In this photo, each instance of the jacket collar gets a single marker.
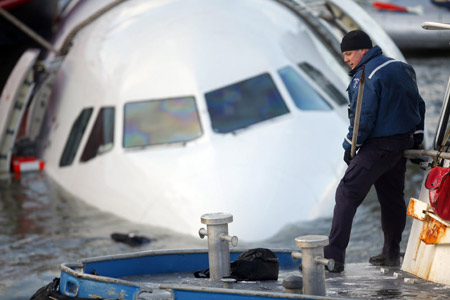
(373, 52)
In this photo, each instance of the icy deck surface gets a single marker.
(358, 281)
(364, 281)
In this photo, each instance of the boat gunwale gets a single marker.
(68, 268)
(71, 269)
(85, 261)
(174, 287)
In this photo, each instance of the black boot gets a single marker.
(338, 267)
(384, 260)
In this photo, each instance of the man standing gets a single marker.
(391, 121)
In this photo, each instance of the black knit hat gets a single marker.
(355, 40)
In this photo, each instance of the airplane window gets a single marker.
(303, 94)
(323, 82)
(244, 103)
(163, 121)
(101, 138)
(76, 133)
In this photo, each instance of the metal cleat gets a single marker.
(218, 243)
(313, 263)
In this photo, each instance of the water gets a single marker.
(41, 227)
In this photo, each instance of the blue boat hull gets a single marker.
(104, 277)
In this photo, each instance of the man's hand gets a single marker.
(418, 141)
(418, 144)
(347, 157)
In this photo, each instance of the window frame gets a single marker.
(73, 142)
(92, 139)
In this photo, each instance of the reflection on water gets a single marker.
(41, 227)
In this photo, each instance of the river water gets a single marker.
(41, 227)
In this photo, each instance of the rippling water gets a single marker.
(41, 227)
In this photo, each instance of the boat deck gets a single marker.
(169, 274)
(359, 281)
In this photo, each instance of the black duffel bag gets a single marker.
(252, 265)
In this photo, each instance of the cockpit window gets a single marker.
(101, 138)
(302, 93)
(244, 103)
(76, 133)
(323, 82)
(164, 121)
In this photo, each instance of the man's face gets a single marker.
(354, 57)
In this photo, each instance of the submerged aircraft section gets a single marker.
(191, 107)
(163, 110)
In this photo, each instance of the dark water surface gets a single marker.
(41, 227)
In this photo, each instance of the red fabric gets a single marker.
(9, 4)
(438, 184)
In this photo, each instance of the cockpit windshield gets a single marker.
(245, 103)
(302, 93)
(323, 82)
(163, 121)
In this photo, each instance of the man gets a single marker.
(391, 121)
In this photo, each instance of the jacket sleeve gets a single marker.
(368, 116)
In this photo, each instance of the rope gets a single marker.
(68, 41)
(27, 30)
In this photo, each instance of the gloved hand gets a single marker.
(418, 141)
(347, 157)
(418, 144)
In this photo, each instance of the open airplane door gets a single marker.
(359, 19)
(13, 103)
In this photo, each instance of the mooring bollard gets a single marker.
(218, 243)
(313, 263)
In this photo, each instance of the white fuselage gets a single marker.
(269, 174)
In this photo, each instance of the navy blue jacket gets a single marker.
(391, 103)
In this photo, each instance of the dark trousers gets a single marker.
(379, 162)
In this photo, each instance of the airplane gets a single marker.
(159, 111)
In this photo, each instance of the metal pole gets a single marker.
(358, 112)
(430, 153)
(36, 37)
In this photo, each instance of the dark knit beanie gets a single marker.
(355, 40)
